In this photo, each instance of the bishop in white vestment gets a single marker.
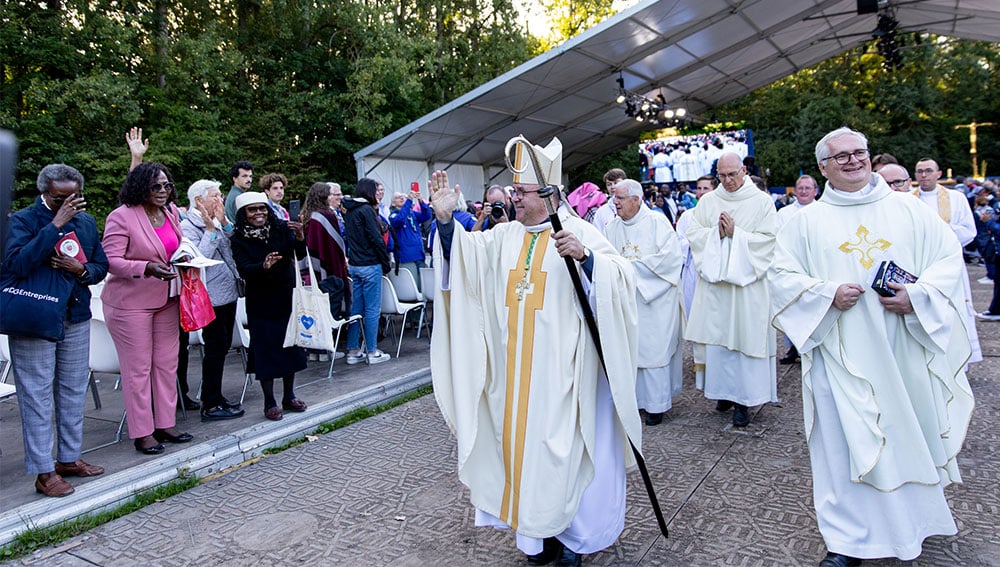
(732, 239)
(646, 239)
(885, 398)
(542, 434)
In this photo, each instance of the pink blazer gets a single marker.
(130, 242)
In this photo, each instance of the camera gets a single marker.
(497, 209)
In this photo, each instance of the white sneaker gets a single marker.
(377, 357)
(338, 355)
(987, 316)
(984, 280)
(356, 358)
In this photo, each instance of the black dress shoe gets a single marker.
(230, 405)
(551, 549)
(654, 418)
(220, 413)
(723, 405)
(741, 416)
(791, 357)
(569, 558)
(188, 403)
(154, 450)
(161, 435)
(838, 560)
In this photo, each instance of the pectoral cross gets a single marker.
(865, 246)
(524, 299)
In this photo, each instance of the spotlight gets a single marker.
(621, 98)
(681, 112)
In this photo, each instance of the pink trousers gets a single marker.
(147, 343)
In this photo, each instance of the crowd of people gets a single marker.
(254, 246)
(560, 322)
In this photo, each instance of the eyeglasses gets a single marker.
(925, 171)
(899, 182)
(161, 187)
(519, 193)
(336, 194)
(257, 208)
(844, 158)
(732, 175)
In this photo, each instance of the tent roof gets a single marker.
(698, 53)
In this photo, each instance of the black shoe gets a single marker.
(154, 450)
(161, 435)
(741, 417)
(654, 418)
(230, 405)
(570, 558)
(838, 560)
(551, 549)
(791, 357)
(188, 403)
(220, 413)
(723, 405)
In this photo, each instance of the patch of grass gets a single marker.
(34, 538)
(352, 418)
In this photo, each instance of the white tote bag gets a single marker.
(311, 323)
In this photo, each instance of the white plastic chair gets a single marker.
(406, 291)
(4, 359)
(339, 325)
(104, 359)
(241, 332)
(391, 305)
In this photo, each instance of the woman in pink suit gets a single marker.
(140, 309)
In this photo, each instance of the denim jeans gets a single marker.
(367, 281)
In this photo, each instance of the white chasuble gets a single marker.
(516, 373)
(730, 314)
(650, 243)
(885, 399)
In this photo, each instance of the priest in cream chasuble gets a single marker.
(885, 398)
(730, 315)
(646, 239)
(541, 432)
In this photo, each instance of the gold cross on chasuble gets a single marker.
(525, 296)
(865, 245)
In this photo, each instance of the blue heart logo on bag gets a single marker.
(307, 321)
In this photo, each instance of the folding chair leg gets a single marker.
(117, 439)
(180, 397)
(402, 329)
(5, 373)
(92, 384)
(246, 383)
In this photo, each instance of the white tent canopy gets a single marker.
(698, 53)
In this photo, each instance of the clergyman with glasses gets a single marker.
(541, 434)
(885, 398)
(731, 234)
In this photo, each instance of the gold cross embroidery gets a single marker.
(865, 245)
(630, 251)
(523, 300)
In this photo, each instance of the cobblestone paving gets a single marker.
(385, 492)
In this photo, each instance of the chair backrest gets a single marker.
(406, 287)
(427, 283)
(96, 304)
(241, 330)
(4, 349)
(390, 303)
(103, 356)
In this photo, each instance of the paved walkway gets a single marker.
(385, 492)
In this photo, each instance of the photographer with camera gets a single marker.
(497, 208)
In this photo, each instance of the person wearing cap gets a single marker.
(732, 237)
(648, 241)
(264, 249)
(541, 432)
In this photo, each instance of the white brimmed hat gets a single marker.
(249, 198)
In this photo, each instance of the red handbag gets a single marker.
(196, 306)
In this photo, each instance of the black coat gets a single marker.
(268, 292)
(365, 246)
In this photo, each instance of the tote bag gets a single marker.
(196, 306)
(34, 306)
(311, 323)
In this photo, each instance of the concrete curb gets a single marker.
(201, 459)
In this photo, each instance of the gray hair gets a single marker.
(823, 148)
(58, 172)
(810, 178)
(199, 188)
(633, 186)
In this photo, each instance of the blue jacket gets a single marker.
(32, 242)
(406, 223)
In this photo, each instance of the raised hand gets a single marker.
(443, 200)
(136, 146)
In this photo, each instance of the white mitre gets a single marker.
(549, 161)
